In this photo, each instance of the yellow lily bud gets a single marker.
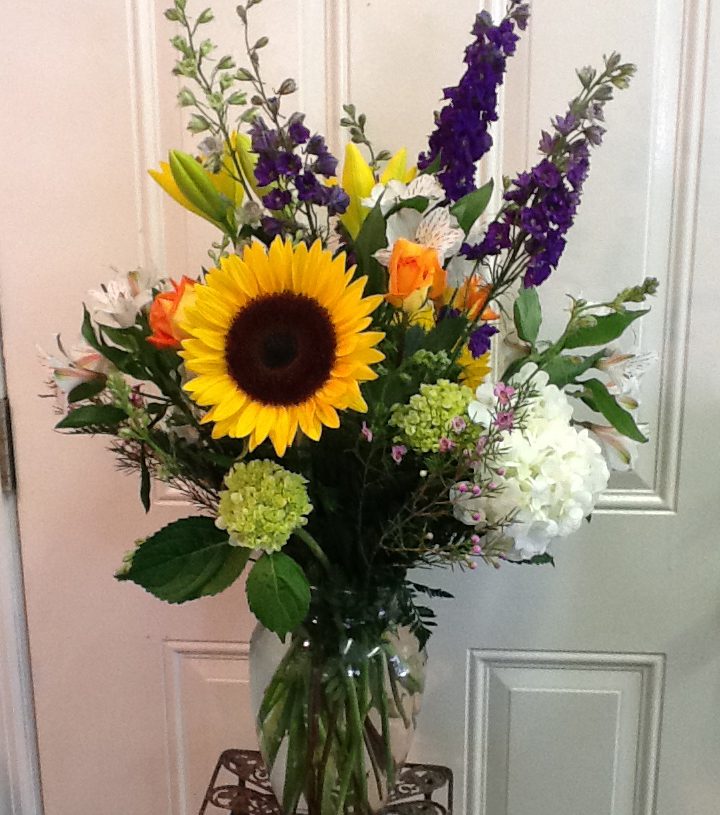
(397, 170)
(358, 181)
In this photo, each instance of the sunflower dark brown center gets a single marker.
(281, 348)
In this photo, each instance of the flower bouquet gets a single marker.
(324, 394)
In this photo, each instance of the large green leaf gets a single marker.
(468, 209)
(528, 315)
(278, 593)
(185, 560)
(371, 238)
(445, 335)
(604, 402)
(100, 416)
(606, 329)
(564, 370)
(86, 390)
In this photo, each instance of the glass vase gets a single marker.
(336, 709)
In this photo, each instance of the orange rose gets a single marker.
(471, 298)
(415, 272)
(168, 312)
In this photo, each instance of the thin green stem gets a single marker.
(314, 547)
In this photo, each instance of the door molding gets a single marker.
(20, 788)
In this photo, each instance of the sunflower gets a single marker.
(277, 341)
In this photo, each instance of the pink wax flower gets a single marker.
(458, 424)
(366, 432)
(505, 420)
(398, 453)
(504, 393)
(445, 445)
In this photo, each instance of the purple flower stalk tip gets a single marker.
(461, 137)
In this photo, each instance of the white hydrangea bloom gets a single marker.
(553, 473)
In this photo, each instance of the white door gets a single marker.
(593, 687)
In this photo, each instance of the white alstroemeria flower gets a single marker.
(625, 372)
(74, 367)
(621, 453)
(390, 194)
(78, 366)
(438, 230)
(117, 303)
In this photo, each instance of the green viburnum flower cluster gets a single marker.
(262, 505)
(429, 415)
(433, 365)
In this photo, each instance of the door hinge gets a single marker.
(7, 460)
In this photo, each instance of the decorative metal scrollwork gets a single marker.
(421, 789)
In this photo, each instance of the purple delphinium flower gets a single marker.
(540, 206)
(336, 200)
(276, 199)
(479, 342)
(272, 226)
(461, 137)
(298, 132)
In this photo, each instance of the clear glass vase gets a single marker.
(336, 708)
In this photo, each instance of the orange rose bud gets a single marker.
(415, 272)
(167, 313)
(472, 298)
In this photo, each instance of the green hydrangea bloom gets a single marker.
(428, 415)
(262, 505)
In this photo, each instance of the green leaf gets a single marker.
(372, 237)
(445, 335)
(278, 593)
(538, 560)
(419, 203)
(604, 402)
(468, 209)
(145, 482)
(528, 315)
(564, 370)
(185, 560)
(92, 416)
(118, 358)
(607, 328)
(87, 390)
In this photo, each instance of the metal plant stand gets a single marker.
(240, 785)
